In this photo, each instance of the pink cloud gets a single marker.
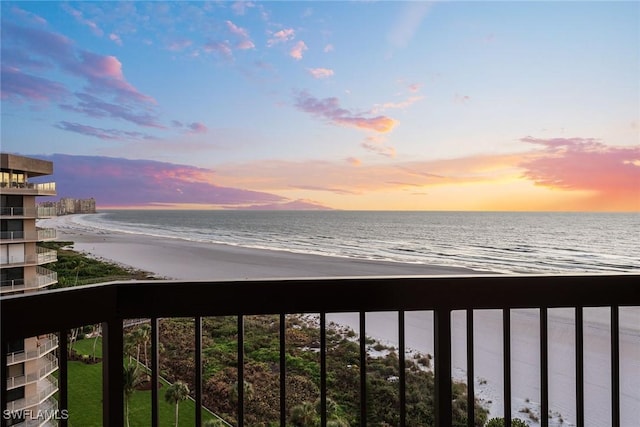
(297, 50)
(198, 128)
(281, 36)
(353, 161)
(179, 44)
(28, 15)
(329, 108)
(115, 38)
(376, 145)
(237, 31)
(415, 87)
(147, 183)
(585, 164)
(328, 48)
(103, 73)
(82, 20)
(320, 73)
(95, 107)
(18, 86)
(335, 190)
(104, 134)
(221, 48)
(245, 45)
(240, 7)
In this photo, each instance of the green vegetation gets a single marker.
(74, 268)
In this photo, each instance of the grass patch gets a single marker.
(85, 397)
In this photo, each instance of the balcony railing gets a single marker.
(46, 365)
(45, 345)
(47, 387)
(41, 234)
(47, 188)
(18, 211)
(44, 277)
(42, 256)
(441, 295)
(45, 256)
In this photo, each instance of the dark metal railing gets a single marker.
(63, 309)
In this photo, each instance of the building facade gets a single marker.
(31, 362)
(68, 205)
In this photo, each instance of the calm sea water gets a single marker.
(490, 241)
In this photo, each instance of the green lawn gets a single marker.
(85, 397)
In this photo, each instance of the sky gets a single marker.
(358, 105)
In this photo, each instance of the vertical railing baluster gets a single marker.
(363, 370)
(579, 369)
(506, 345)
(63, 376)
(544, 368)
(442, 366)
(402, 369)
(112, 373)
(323, 369)
(615, 366)
(240, 371)
(471, 393)
(198, 366)
(283, 370)
(155, 369)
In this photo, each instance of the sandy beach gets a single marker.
(188, 260)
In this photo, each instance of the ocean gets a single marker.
(499, 242)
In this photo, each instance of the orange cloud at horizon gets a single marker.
(566, 175)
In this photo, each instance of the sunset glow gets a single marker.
(345, 105)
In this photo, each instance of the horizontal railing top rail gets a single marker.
(146, 299)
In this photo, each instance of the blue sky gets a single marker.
(349, 105)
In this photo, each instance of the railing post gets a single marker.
(155, 368)
(283, 369)
(471, 394)
(615, 367)
(240, 371)
(323, 370)
(402, 369)
(506, 349)
(579, 368)
(363, 370)
(198, 366)
(112, 373)
(63, 378)
(544, 368)
(442, 366)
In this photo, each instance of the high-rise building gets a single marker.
(31, 362)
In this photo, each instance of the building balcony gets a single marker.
(17, 211)
(42, 256)
(44, 277)
(46, 344)
(46, 256)
(45, 366)
(46, 388)
(40, 235)
(29, 188)
(22, 212)
(443, 297)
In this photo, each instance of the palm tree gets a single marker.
(176, 393)
(131, 380)
(248, 391)
(304, 415)
(141, 337)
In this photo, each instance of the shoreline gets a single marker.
(177, 259)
